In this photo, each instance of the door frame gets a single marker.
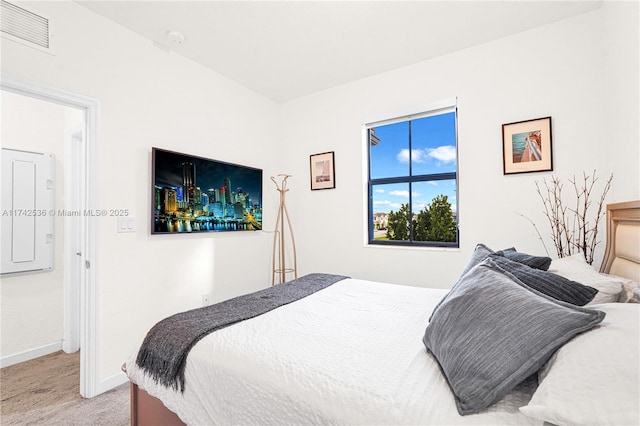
(74, 186)
(87, 226)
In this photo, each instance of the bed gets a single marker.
(363, 352)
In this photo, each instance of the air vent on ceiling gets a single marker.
(25, 26)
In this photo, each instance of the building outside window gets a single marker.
(413, 179)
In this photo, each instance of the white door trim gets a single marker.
(73, 247)
(88, 201)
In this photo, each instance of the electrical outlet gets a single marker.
(205, 300)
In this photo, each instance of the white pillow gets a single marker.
(594, 379)
(577, 269)
(630, 291)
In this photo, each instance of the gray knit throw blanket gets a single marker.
(163, 354)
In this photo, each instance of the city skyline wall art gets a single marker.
(192, 194)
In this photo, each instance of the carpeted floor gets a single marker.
(45, 391)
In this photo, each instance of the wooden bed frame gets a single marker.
(622, 258)
(149, 410)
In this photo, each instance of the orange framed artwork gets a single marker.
(526, 146)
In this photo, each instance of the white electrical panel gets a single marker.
(27, 210)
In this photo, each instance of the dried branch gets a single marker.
(537, 232)
(570, 228)
(556, 214)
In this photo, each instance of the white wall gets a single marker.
(556, 70)
(33, 303)
(152, 98)
(621, 87)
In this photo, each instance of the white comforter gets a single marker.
(349, 354)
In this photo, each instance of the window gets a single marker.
(412, 183)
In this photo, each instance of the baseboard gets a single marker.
(112, 382)
(30, 354)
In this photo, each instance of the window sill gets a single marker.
(410, 247)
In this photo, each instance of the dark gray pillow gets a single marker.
(548, 283)
(492, 331)
(538, 262)
(481, 252)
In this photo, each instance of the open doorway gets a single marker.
(73, 278)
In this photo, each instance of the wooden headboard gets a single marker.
(622, 254)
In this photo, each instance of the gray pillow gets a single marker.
(480, 253)
(491, 332)
(553, 285)
(537, 262)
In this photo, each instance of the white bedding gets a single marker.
(349, 354)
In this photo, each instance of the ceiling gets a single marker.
(288, 49)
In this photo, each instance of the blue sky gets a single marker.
(433, 150)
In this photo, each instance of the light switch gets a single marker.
(126, 224)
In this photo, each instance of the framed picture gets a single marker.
(323, 171)
(526, 146)
(191, 194)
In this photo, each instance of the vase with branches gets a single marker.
(574, 229)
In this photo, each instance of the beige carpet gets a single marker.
(45, 391)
